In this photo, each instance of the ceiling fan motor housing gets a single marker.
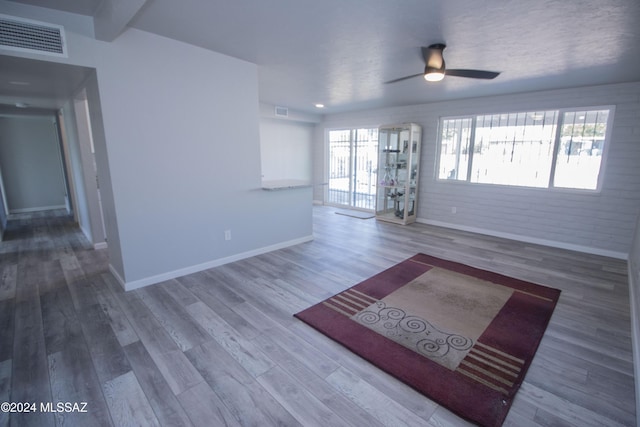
(434, 60)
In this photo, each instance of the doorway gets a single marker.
(352, 168)
(33, 176)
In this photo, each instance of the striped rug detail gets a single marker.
(349, 302)
(493, 368)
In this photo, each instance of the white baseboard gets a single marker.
(87, 235)
(100, 245)
(140, 283)
(85, 232)
(117, 276)
(527, 239)
(37, 209)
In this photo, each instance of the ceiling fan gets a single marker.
(434, 69)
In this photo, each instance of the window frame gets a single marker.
(556, 142)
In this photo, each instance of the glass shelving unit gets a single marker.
(398, 172)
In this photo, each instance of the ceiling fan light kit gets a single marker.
(433, 74)
(435, 69)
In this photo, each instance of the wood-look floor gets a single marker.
(221, 347)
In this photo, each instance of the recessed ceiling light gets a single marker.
(19, 83)
(22, 105)
(319, 105)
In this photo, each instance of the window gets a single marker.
(454, 148)
(551, 148)
(582, 139)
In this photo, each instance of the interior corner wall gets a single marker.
(94, 103)
(88, 168)
(82, 170)
(319, 164)
(3, 213)
(70, 136)
(596, 222)
(181, 135)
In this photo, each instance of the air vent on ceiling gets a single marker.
(282, 112)
(25, 35)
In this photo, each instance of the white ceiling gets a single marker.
(340, 52)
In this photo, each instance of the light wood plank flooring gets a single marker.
(221, 347)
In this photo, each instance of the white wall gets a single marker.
(286, 149)
(181, 126)
(176, 133)
(184, 157)
(3, 214)
(593, 222)
(31, 164)
(320, 158)
(83, 183)
(116, 260)
(69, 135)
(88, 167)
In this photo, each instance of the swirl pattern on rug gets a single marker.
(412, 332)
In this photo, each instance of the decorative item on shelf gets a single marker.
(387, 179)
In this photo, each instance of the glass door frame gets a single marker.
(354, 199)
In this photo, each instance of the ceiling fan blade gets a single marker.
(473, 74)
(404, 78)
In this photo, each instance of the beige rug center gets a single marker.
(439, 314)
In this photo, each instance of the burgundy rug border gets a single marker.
(432, 372)
(432, 379)
(501, 279)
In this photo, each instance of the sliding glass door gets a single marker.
(353, 165)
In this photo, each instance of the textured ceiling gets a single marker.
(340, 52)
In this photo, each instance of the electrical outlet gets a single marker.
(227, 234)
(454, 210)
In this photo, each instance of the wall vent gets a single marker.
(282, 112)
(26, 35)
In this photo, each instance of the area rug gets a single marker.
(462, 336)
(355, 214)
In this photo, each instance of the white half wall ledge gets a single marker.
(141, 283)
(285, 184)
(527, 239)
